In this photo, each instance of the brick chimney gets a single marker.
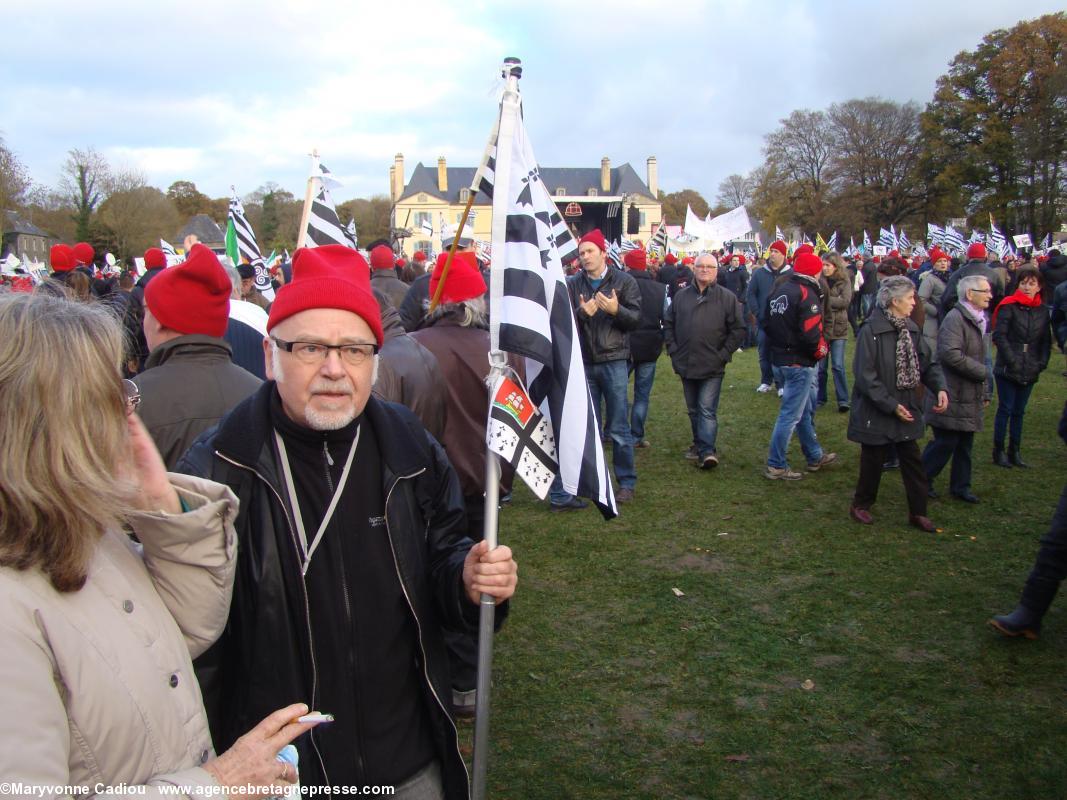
(653, 177)
(398, 176)
(605, 174)
(442, 176)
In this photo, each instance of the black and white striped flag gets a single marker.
(247, 248)
(658, 243)
(323, 226)
(170, 253)
(350, 233)
(953, 240)
(530, 308)
(902, 240)
(831, 243)
(935, 236)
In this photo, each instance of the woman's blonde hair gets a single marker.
(63, 434)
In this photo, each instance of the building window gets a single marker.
(423, 218)
(424, 246)
(561, 192)
(464, 195)
(591, 193)
(644, 221)
(422, 198)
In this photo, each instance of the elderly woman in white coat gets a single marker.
(97, 630)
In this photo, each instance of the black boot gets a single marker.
(999, 458)
(1014, 457)
(1020, 622)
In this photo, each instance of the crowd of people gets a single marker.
(278, 507)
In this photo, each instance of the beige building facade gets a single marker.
(615, 199)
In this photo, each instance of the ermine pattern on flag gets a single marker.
(531, 312)
(522, 435)
(350, 232)
(247, 247)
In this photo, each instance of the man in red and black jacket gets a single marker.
(794, 332)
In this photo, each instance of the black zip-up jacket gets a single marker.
(1023, 338)
(793, 315)
(605, 337)
(646, 342)
(703, 331)
(264, 659)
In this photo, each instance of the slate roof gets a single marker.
(573, 181)
(204, 228)
(16, 224)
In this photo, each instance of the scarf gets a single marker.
(1019, 297)
(907, 358)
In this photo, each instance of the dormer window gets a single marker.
(464, 195)
(561, 192)
(591, 193)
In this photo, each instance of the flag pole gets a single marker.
(511, 72)
(301, 236)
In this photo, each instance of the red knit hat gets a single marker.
(154, 258)
(804, 248)
(464, 280)
(381, 257)
(419, 256)
(83, 254)
(976, 251)
(688, 261)
(594, 237)
(401, 263)
(331, 276)
(671, 258)
(807, 264)
(779, 245)
(936, 254)
(742, 261)
(635, 259)
(61, 257)
(193, 297)
(894, 254)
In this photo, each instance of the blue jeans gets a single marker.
(608, 381)
(702, 402)
(644, 374)
(795, 413)
(1012, 398)
(768, 373)
(835, 361)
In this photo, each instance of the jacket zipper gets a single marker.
(418, 626)
(307, 608)
(352, 657)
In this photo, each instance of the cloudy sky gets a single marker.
(238, 93)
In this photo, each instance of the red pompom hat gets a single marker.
(61, 257)
(976, 251)
(635, 259)
(381, 257)
(807, 264)
(594, 237)
(804, 248)
(193, 297)
(83, 254)
(464, 279)
(154, 258)
(936, 254)
(331, 276)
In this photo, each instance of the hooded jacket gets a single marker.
(793, 320)
(264, 658)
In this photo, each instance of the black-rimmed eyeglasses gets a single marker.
(316, 352)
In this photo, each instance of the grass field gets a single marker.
(809, 656)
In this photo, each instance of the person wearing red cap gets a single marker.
(456, 333)
(607, 307)
(704, 325)
(417, 300)
(646, 341)
(735, 276)
(759, 290)
(352, 556)
(61, 259)
(677, 275)
(795, 337)
(189, 381)
(931, 288)
(383, 275)
(83, 256)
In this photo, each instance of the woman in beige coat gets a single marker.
(97, 630)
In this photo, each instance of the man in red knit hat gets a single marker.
(189, 381)
(383, 275)
(351, 550)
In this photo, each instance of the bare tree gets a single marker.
(800, 150)
(86, 181)
(735, 190)
(14, 180)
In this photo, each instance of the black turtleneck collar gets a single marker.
(292, 430)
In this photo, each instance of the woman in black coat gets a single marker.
(1023, 338)
(892, 360)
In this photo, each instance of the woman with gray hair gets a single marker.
(892, 359)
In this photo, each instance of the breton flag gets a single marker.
(522, 435)
(427, 225)
(627, 245)
(170, 253)
(851, 246)
(866, 243)
(1046, 243)
(350, 232)
(976, 237)
(658, 242)
(902, 240)
(887, 239)
(241, 246)
(321, 225)
(831, 243)
(530, 307)
(996, 241)
(953, 240)
(935, 235)
(614, 254)
(778, 235)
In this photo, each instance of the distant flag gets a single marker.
(350, 232)
(778, 235)
(626, 245)
(919, 250)
(1046, 243)
(321, 223)
(531, 312)
(658, 242)
(427, 226)
(996, 241)
(902, 240)
(820, 244)
(887, 239)
(831, 243)
(866, 243)
(976, 237)
(935, 235)
(241, 246)
(614, 254)
(851, 246)
(952, 240)
(170, 253)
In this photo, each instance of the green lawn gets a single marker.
(810, 657)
